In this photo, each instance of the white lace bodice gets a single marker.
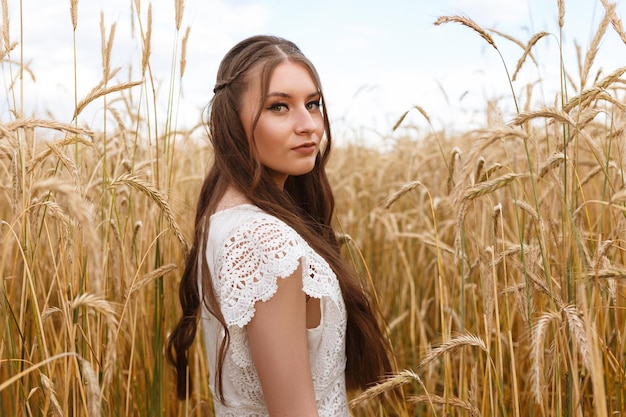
(247, 252)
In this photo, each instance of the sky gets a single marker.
(377, 59)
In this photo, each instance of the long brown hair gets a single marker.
(306, 204)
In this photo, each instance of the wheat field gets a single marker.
(497, 254)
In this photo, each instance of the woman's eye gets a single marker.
(313, 105)
(278, 107)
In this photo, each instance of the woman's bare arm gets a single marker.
(278, 343)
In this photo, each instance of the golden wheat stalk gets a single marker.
(537, 354)
(106, 48)
(616, 22)
(147, 42)
(528, 209)
(527, 49)
(156, 196)
(595, 44)
(69, 165)
(420, 109)
(480, 165)
(95, 94)
(447, 400)
(67, 196)
(611, 78)
(8, 129)
(466, 21)
(596, 170)
(179, 7)
(54, 209)
(400, 191)
(578, 333)
(32, 368)
(601, 253)
(6, 33)
(390, 383)
(547, 112)
(428, 239)
(183, 53)
(607, 273)
(74, 13)
(510, 38)
(108, 309)
(454, 155)
(453, 344)
(588, 95)
(55, 147)
(537, 282)
(151, 276)
(555, 160)
(55, 406)
(488, 187)
(490, 171)
(90, 381)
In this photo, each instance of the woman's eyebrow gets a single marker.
(285, 95)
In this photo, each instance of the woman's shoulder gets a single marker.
(245, 219)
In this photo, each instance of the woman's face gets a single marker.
(290, 126)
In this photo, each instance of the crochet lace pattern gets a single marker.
(249, 258)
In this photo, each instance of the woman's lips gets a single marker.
(306, 148)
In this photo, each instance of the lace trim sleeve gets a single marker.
(251, 260)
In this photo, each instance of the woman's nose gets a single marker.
(305, 121)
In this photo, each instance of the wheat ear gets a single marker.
(466, 21)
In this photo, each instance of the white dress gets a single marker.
(247, 252)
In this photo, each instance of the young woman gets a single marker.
(287, 327)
